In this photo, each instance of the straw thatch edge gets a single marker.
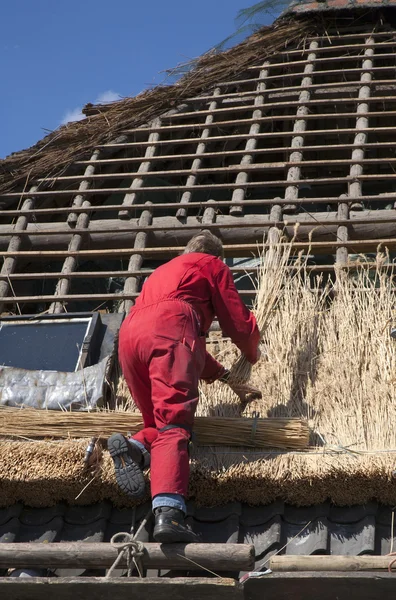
(56, 152)
(44, 473)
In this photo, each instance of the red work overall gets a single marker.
(163, 356)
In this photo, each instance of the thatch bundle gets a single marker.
(209, 431)
(52, 155)
(273, 262)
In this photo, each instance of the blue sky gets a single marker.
(58, 55)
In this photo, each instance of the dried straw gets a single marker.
(271, 281)
(210, 431)
(328, 358)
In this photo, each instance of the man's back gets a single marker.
(189, 277)
(206, 283)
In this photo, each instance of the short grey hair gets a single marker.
(205, 242)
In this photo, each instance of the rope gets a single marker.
(130, 548)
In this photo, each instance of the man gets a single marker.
(163, 357)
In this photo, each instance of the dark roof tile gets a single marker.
(352, 514)
(257, 515)
(77, 515)
(312, 540)
(41, 532)
(353, 538)
(226, 531)
(383, 540)
(9, 531)
(216, 513)
(86, 532)
(41, 516)
(264, 537)
(300, 515)
(6, 514)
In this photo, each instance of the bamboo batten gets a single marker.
(256, 433)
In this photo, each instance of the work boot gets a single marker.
(170, 527)
(128, 463)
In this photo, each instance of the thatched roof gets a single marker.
(52, 155)
(302, 133)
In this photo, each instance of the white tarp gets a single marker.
(53, 390)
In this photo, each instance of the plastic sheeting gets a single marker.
(53, 390)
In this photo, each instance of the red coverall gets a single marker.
(163, 356)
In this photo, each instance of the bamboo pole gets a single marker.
(15, 243)
(199, 155)
(286, 563)
(217, 557)
(239, 194)
(143, 170)
(293, 176)
(131, 284)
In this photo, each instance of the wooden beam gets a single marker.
(99, 588)
(255, 151)
(371, 218)
(230, 250)
(270, 119)
(216, 203)
(239, 169)
(244, 136)
(279, 105)
(287, 563)
(209, 186)
(321, 586)
(82, 555)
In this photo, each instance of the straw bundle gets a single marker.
(257, 433)
(271, 279)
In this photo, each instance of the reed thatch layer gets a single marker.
(328, 357)
(52, 155)
(44, 473)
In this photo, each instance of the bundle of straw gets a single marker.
(210, 431)
(271, 279)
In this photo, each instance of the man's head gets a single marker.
(205, 242)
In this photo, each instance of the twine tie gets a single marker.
(132, 549)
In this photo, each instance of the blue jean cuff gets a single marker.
(146, 453)
(170, 500)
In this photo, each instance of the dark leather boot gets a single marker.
(128, 463)
(170, 527)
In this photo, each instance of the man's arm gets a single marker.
(235, 319)
(212, 370)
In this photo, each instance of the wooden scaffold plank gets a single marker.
(99, 588)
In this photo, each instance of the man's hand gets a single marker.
(246, 392)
